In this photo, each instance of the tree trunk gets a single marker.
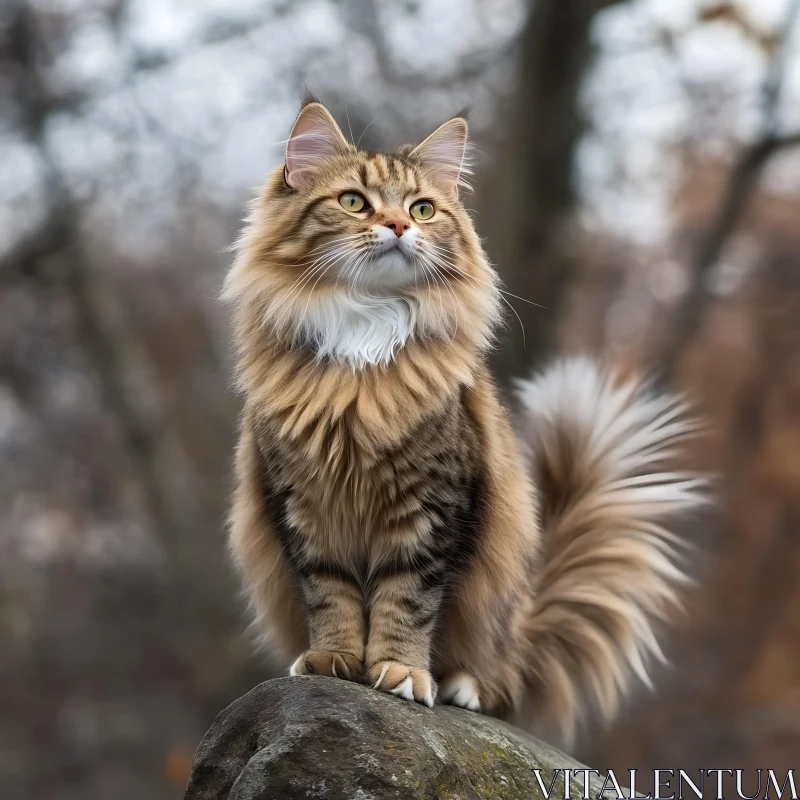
(529, 194)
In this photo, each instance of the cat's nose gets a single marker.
(398, 226)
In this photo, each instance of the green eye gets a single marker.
(352, 201)
(422, 209)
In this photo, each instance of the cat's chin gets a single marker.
(388, 271)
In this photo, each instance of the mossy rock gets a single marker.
(313, 737)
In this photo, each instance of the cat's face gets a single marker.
(361, 250)
(378, 223)
(373, 221)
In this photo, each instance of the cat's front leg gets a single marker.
(336, 623)
(403, 604)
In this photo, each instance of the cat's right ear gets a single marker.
(315, 137)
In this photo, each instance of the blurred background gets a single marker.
(638, 176)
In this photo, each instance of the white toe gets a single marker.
(473, 704)
(461, 691)
(297, 667)
(404, 689)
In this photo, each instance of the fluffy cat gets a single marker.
(387, 523)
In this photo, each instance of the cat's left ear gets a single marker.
(444, 152)
(315, 137)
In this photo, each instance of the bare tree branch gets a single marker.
(59, 236)
(743, 179)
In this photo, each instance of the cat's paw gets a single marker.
(460, 689)
(328, 662)
(402, 681)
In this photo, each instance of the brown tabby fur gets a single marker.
(385, 522)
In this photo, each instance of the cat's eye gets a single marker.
(353, 201)
(422, 209)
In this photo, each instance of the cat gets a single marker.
(389, 524)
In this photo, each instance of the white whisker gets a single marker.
(449, 265)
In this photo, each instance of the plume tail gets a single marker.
(610, 568)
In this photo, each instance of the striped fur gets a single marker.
(385, 521)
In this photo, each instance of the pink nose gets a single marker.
(398, 226)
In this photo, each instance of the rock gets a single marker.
(314, 737)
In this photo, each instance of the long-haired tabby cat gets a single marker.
(388, 526)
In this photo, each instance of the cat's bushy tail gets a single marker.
(609, 567)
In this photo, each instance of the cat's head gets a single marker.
(355, 253)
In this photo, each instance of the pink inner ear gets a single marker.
(314, 138)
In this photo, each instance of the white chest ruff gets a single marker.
(360, 328)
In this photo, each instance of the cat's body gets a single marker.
(385, 520)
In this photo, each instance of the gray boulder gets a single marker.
(314, 737)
